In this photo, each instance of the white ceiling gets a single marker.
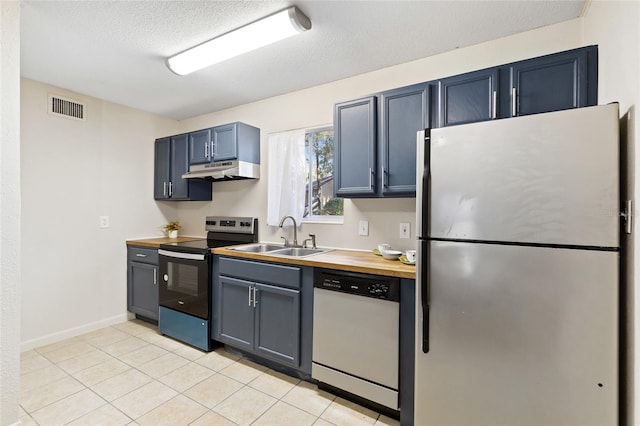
(116, 50)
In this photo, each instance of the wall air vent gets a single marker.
(68, 108)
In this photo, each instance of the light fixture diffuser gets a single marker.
(244, 39)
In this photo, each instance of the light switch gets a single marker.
(363, 228)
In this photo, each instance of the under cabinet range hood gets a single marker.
(224, 170)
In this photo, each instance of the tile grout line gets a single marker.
(180, 350)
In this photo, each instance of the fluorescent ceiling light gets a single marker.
(252, 36)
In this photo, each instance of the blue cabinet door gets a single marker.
(277, 324)
(355, 139)
(550, 83)
(469, 97)
(179, 189)
(224, 142)
(404, 112)
(162, 168)
(200, 146)
(235, 313)
(143, 289)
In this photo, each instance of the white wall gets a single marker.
(615, 26)
(9, 211)
(74, 273)
(314, 106)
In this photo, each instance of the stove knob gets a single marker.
(166, 278)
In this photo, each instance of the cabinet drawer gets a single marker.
(285, 276)
(142, 255)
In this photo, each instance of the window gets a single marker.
(320, 203)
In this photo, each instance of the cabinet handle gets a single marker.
(494, 106)
(255, 297)
(370, 178)
(385, 181)
(155, 276)
(214, 149)
(249, 288)
(514, 102)
(164, 189)
(141, 255)
(206, 150)
(170, 189)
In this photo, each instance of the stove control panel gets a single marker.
(244, 225)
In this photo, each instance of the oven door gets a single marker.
(184, 284)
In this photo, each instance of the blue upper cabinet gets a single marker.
(355, 128)
(226, 142)
(376, 142)
(162, 170)
(179, 189)
(171, 162)
(404, 111)
(554, 82)
(548, 83)
(469, 97)
(200, 146)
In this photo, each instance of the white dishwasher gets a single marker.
(356, 334)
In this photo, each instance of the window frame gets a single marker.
(313, 218)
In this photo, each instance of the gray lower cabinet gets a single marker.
(142, 281)
(261, 308)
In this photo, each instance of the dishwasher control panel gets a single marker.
(366, 285)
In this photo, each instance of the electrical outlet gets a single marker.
(405, 230)
(363, 228)
(104, 221)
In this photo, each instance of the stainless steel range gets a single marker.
(185, 284)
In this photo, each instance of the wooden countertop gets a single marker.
(155, 242)
(344, 260)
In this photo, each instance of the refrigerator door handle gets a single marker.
(423, 279)
(627, 216)
(422, 180)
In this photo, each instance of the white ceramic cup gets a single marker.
(384, 247)
(411, 256)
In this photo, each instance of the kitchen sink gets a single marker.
(297, 251)
(258, 248)
(279, 250)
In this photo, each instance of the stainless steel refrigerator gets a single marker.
(517, 271)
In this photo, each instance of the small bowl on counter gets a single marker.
(391, 254)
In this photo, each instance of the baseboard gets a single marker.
(72, 332)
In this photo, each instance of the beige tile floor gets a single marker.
(128, 374)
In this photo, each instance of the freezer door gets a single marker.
(545, 178)
(518, 336)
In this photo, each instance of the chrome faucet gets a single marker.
(295, 232)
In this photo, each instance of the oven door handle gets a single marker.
(179, 255)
